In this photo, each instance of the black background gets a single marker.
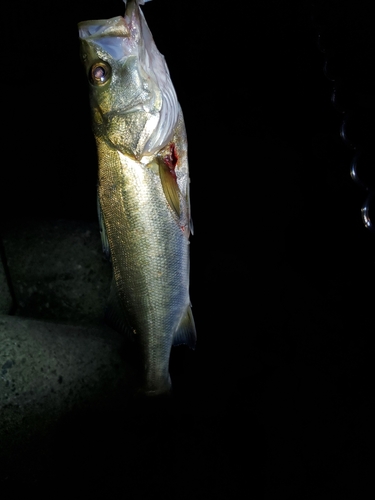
(277, 396)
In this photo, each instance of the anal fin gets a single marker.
(186, 333)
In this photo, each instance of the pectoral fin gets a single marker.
(186, 333)
(170, 186)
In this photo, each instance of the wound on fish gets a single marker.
(171, 160)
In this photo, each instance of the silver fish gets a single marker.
(143, 189)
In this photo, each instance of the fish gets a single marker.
(143, 190)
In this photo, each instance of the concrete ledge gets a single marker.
(49, 371)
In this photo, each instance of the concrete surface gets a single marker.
(57, 356)
(48, 371)
(57, 270)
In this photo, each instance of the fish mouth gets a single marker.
(130, 29)
(106, 33)
(100, 27)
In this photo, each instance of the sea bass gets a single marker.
(143, 189)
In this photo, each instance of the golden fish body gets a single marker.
(143, 188)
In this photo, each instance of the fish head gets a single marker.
(133, 101)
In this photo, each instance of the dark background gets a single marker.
(277, 397)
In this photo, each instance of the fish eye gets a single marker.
(100, 73)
